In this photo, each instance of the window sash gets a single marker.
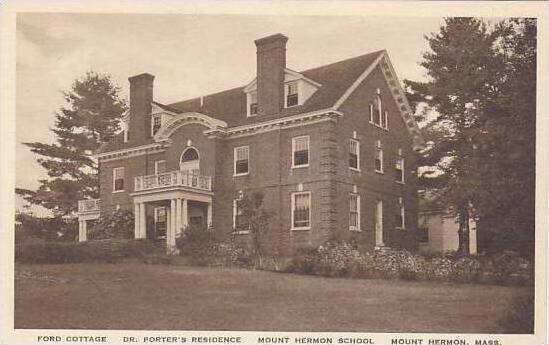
(399, 169)
(118, 179)
(354, 212)
(291, 95)
(354, 152)
(159, 167)
(301, 212)
(379, 160)
(379, 119)
(300, 148)
(241, 159)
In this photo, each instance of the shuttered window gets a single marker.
(241, 160)
(354, 154)
(301, 210)
(118, 179)
(300, 151)
(354, 212)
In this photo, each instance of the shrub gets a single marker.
(108, 250)
(340, 259)
(118, 224)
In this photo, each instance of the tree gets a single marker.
(463, 76)
(482, 158)
(90, 118)
(256, 219)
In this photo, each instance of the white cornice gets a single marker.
(130, 152)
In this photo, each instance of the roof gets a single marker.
(230, 105)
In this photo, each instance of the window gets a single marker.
(378, 111)
(399, 169)
(385, 119)
(241, 158)
(118, 179)
(354, 154)
(423, 235)
(159, 167)
(378, 163)
(372, 111)
(160, 222)
(240, 223)
(291, 94)
(300, 152)
(157, 121)
(354, 212)
(400, 215)
(301, 211)
(253, 104)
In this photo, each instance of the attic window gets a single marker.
(252, 110)
(157, 122)
(292, 98)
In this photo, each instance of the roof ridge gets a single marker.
(302, 72)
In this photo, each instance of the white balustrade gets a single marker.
(89, 205)
(173, 179)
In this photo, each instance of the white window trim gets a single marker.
(357, 154)
(402, 211)
(159, 116)
(308, 151)
(234, 160)
(156, 165)
(293, 209)
(237, 232)
(249, 103)
(380, 149)
(403, 179)
(114, 179)
(286, 94)
(353, 228)
(371, 114)
(386, 118)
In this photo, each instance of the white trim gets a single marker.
(293, 209)
(308, 151)
(357, 153)
(114, 190)
(234, 160)
(358, 227)
(187, 148)
(286, 94)
(156, 172)
(360, 79)
(139, 150)
(379, 149)
(187, 118)
(402, 210)
(402, 180)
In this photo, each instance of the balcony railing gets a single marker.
(89, 205)
(173, 179)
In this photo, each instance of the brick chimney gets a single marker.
(141, 96)
(271, 62)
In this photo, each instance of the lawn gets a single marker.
(137, 296)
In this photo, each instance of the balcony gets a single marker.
(173, 179)
(88, 206)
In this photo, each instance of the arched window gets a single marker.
(190, 160)
(190, 154)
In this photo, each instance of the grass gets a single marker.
(136, 296)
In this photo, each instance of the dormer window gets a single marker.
(253, 104)
(292, 98)
(157, 122)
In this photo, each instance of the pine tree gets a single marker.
(90, 118)
(463, 77)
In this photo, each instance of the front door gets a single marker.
(160, 222)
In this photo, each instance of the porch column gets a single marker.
(170, 236)
(142, 221)
(82, 231)
(168, 221)
(184, 213)
(136, 221)
(178, 216)
(209, 215)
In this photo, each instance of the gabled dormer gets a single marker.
(297, 90)
(159, 116)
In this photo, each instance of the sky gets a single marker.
(190, 55)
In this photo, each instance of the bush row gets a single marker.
(104, 251)
(337, 259)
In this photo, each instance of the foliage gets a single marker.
(343, 259)
(116, 224)
(256, 219)
(90, 118)
(482, 89)
(54, 228)
(40, 251)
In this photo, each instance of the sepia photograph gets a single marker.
(353, 174)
